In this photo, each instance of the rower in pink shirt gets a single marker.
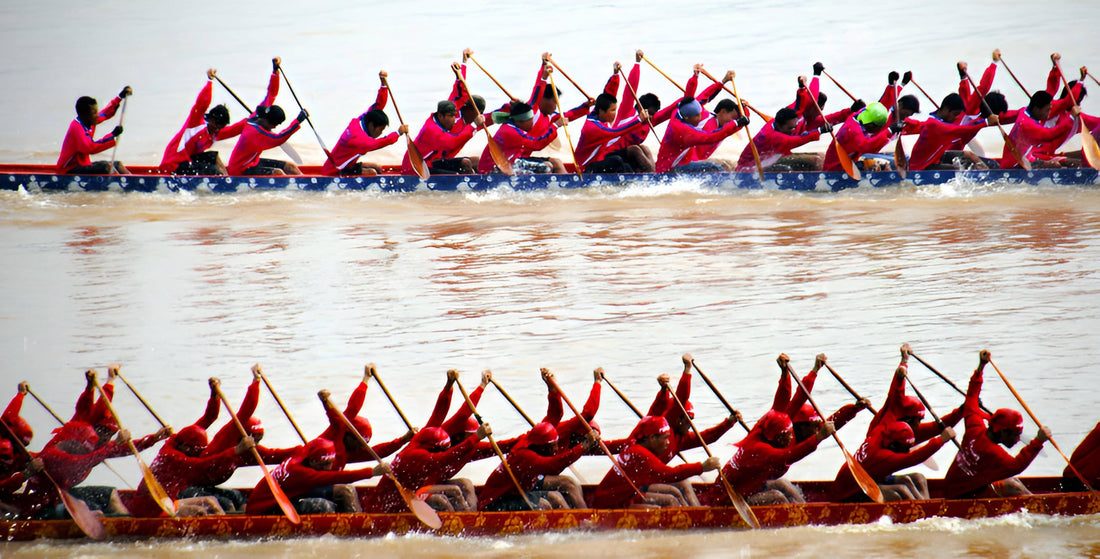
(362, 136)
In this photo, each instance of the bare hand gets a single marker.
(993, 120)
(257, 372)
(947, 434)
(479, 121)
(639, 55)
(466, 54)
(24, 387)
(697, 68)
(996, 55)
(123, 436)
(547, 376)
(819, 361)
(783, 361)
(112, 371)
(644, 116)
(245, 445)
(382, 469)
(545, 57)
(687, 359)
(984, 356)
(324, 396)
(486, 377)
(616, 67)
(214, 383)
(456, 67)
(735, 417)
(163, 433)
(1076, 110)
(211, 73)
(1055, 57)
(403, 129)
(276, 63)
(90, 374)
(560, 122)
(597, 375)
(825, 430)
(35, 466)
(452, 376)
(484, 430)
(962, 66)
(409, 435)
(592, 440)
(1084, 72)
(368, 371)
(730, 74)
(711, 463)
(382, 75)
(663, 380)
(1044, 434)
(901, 372)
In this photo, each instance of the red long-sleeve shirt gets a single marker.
(1086, 458)
(936, 137)
(528, 466)
(80, 143)
(177, 471)
(880, 463)
(516, 144)
(980, 461)
(254, 140)
(297, 479)
(643, 468)
(228, 436)
(771, 145)
(754, 463)
(356, 142)
(1029, 135)
(417, 467)
(680, 140)
(627, 110)
(855, 141)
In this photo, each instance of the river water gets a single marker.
(179, 288)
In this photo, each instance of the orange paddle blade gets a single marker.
(277, 492)
(423, 511)
(900, 160)
(1015, 152)
(864, 480)
(846, 161)
(417, 161)
(739, 503)
(1090, 149)
(88, 522)
(499, 158)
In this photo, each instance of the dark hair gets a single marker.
(604, 102)
(84, 103)
(376, 117)
(1039, 99)
(909, 103)
(785, 114)
(475, 101)
(548, 93)
(1065, 92)
(953, 102)
(821, 99)
(519, 108)
(273, 114)
(650, 102)
(996, 101)
(726, 105)
(219, 115)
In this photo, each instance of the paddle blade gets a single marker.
(156, 490)
(280, 496)
(1090, 149)
(900, 160)
(423, 511)
(739, 503)
(88, 522)
(291, 153)
(976, 148)
(1015, 152)
(499, 158)
(931, 464)
(417, 161)
(846, 161)
(864, 480)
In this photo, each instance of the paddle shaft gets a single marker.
(851, 390)
(321, 142)
(928, 406)
(1037, 422)
(414, 153)
(279, 401)
(393, 402)
(490, 76)
(752, 144)
(276, 491)
(1086, 148)
(140, 399)
(635, 410)
(156, 490)
(603, 447)
(1003, 63)
(635, 94)
(667, 77)
(566, 76)
(565, 126)
(736, 499)
(496, 449)
(901, 162)
(947, 380)
(863, 479)
(1089, 74)
(513, 402)
(114, 152)
(721, 398)
(836, 83)
(930, 99)
(234, 95)
(842, 155)
(1008, 141)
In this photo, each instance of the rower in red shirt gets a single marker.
(1086, 458)
(864, 132)
(642, 465)
(684, 133)
(943, 130)
(14, 472)
(982, 467)
(531, 461)
(517, 141)
(348, 448)
(229, 436)
(594, 148)
(19, 426)
(187, 153)
(444, 134)
(776, 140)
(762, 458)
(908, 409)
(258, 136)
(885, 452)
(80, 143)
(307, 478)
(362, 137)
(804, 418)
(1029, 134)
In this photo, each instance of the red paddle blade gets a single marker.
(88, 522)
(423, 511)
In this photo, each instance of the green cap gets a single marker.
(875, 113)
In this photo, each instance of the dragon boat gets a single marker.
(44, 178)
(1048, 499)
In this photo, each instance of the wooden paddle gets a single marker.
(496, 449)
(287, 149)
(524, 414)
(948, 381)
(866, 483)
(928, 406)
(1092, 76)
(631, 405)
(635, 94)
(85, 519)
(490, 76)
(497, 153)
(1088, 144)
(114, 152)
(328, 154)
(741, 107)
(592, 432)
(836, 83)
(415, 158)
(930, 99)
(565, 126)
(1008, 141)
(842, 155)
(115, 370)
(260, 373)
(997, 56)
(1036, 420)
(901, 162)
(372, 372)
(423, 511)
(689, 359)
(566, 76)
(276, 491)
(738, 501)
(156, 491)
